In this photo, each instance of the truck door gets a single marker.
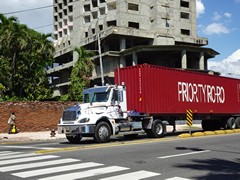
(122, 101)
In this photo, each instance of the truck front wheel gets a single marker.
(102, 132)
(157, 130)
(74, 138)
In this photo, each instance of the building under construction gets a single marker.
(126, 33)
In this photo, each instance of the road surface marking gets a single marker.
(45, 171)
(8, 153)
(27, 147)
(13, 161)
(177, 178)
(184, 154)
(88, 173)
(17, 156)
(37, 164)
(1, 152)
(28, 167)
(133, 176)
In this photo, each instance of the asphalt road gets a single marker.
(199, 158)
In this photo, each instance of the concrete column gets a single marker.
(122, 47)
(201, 61)
(122, 43)
(122, 61)
(134, 58)
(184, 59)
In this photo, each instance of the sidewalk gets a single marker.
(30, 136)
(45, 135)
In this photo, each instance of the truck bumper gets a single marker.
(76, 129)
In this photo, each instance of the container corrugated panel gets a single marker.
(160, 90)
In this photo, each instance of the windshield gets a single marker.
(96, 97)
(96, 94)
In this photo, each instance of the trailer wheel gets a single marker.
(237, 122)
(74, 138)
(157, 130)
(102, 132)
(231, 123)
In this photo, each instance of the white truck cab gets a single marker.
(103, 114)
(97, 116)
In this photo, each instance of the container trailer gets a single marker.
(146, 98)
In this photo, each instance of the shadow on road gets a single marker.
(217, 169)
(128, 138)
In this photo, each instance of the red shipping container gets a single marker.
(160, 90)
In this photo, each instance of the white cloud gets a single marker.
(227, 67)
(34, 18)
(200, 8)
(216, 16)
(228, 15)
(216, 28)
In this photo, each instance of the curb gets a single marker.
(184, 135)
(236, 130)
(220, 132)
(197, 134)
(209, 133)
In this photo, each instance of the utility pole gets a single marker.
(100, 59)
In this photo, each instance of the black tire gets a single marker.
(157, 131)
(102, 132)
(237, 122)
(230, 124)
(74, 139)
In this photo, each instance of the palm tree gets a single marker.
(13, 38)
(24, 53)
(40, 55)
(80, 73)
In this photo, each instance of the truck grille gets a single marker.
(69, 116)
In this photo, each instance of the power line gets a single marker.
(32, 9)
(39, 27)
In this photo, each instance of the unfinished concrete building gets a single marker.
(126, 33)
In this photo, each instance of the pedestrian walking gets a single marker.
(11, 122)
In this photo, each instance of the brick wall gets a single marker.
(32, 116)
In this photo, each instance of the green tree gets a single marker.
(9, 32)
(80, 74)
(25, 54)
(2, 89)
(34, 84)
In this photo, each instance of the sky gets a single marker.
(217, 20)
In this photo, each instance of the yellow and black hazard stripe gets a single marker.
(189, 117)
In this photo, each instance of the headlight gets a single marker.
(84, 120)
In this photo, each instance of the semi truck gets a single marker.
(146, 98)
